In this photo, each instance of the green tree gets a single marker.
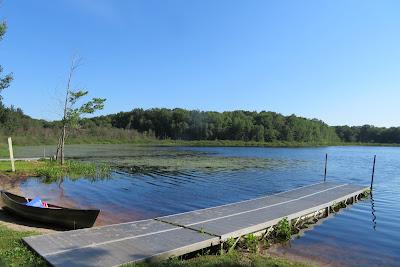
(5, 80)
(72, 111)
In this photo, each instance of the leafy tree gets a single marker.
(5, 80)
(73, 112)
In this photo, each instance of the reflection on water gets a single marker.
(373, 211)
(346, 239)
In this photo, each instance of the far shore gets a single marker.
(198, 143)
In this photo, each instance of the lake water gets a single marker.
(367, 234)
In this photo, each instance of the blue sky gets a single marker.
(338, 61)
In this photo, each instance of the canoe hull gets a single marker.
(54, 215)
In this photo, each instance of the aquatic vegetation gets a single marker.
(337, 206)
(193, 162)
(50, 171)
(149, 163)
(366, 193)
(138, 159)
(283, 230)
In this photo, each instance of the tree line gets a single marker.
(181, 124)
(264, 126)
(369, 134)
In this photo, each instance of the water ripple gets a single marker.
(366, 234)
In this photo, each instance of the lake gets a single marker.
(187, 178)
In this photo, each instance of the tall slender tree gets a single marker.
(72, 112)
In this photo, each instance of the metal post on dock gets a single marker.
(326, 164)
(373, 172)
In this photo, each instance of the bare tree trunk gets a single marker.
(64, 131)
(58, 154)
(60, 148)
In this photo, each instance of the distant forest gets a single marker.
(181, 124)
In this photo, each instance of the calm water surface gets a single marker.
(367, 234)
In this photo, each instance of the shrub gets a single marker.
(283, 230)
(251, 242)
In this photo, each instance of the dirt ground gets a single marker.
(277, 250)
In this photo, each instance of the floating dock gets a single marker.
(183, 233)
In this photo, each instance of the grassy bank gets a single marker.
(51, 170)
(12, 250)
(23, 168)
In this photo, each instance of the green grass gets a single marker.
(251, 242)
(51, 170)
(283, 230)
(232, 259)
(23, 168)
(13, 252)
(4, 151)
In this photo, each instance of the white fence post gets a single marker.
(10, 148)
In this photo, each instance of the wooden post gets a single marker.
(373, 172)
(326, 164)
(44, 152)
(10, 148)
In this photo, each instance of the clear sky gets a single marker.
(338, 61)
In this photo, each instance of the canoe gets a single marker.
(53, 215)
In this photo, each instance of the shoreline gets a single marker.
(207, 143)
(276, 250)
(12, 184)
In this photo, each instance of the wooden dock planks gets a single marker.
(230, 221)
(191, 217)
(117, 244)
(183, 233)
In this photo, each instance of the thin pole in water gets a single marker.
(373, 172)
(326, 164)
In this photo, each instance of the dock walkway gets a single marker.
(183, 233)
